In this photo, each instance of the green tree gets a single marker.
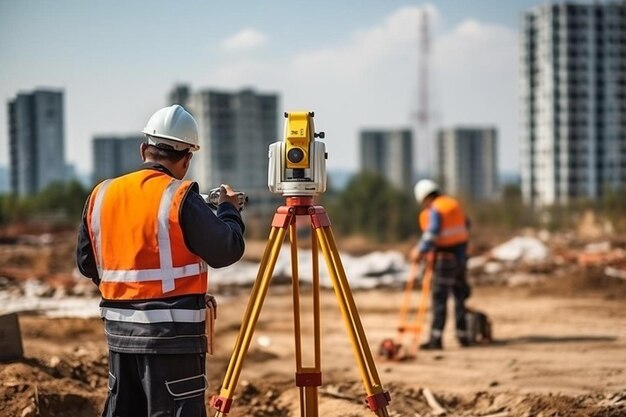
(58, 202)
(371, 206)
(13, 209)
(507, 213)
(64, 199)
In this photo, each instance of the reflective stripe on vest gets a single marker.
(457, 230)
(163, 236)
(167, 273)
(142, 275)
(95, 225)
(153, 316)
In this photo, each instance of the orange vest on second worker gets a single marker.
(453, 230)
(137, 238)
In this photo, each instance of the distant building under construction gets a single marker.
(36, 140)
(467, 162)
(573, 101)
(235, 131)
(115, 155)
(389, 153)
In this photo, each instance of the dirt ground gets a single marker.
(554, 355)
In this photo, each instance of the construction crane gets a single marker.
(423, 114)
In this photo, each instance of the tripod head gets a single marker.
(297, 164)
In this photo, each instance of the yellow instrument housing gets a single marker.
(298, 135)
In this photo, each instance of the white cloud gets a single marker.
(476, 68)
(244, 39)
(370, 80)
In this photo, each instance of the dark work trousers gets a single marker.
(449, 278)
(155, 385)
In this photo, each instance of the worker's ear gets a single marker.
(142, 150)
(187, 160)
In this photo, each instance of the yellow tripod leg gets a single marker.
(308, 379)
(223, 402)
(406, 303)
(377, 399)
(423, 308)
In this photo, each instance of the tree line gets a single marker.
(368, 206)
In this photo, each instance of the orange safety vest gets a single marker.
(453, 222)
(137, 238)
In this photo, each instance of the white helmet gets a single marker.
(173, 126)
(424, 188)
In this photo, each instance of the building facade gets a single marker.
(179, 95)
(115, 155)
(467, 162)
(573, 101)
(36, 141)
(235, 131)
(5, 186)
(389, 153)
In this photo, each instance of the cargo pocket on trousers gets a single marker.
(446, 269)
(112, 382)
(188, 395)
(185, 388)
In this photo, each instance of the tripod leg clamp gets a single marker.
(377, 401)
(319, 217)
(308, 379)
(221, 404)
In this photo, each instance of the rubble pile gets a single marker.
(36, 272)
(347, 399)
(74, 385)
(64, 371)
(537, 257)
(263, 401)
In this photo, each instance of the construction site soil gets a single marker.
(559, 350)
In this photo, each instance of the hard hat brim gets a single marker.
(190, 146)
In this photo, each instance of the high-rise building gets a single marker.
(466, 162)
(4, 180)
(36, 140)
(389, 153)
(179, 95)
(235, 131)
(115, 155)
(573, 100)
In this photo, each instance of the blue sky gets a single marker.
(353, 62)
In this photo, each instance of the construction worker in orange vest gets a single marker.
(444, 241)
(146, 239)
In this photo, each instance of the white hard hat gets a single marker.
(424, 188)
(173, 126)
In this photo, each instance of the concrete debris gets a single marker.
(612, 272)
(369, 271)
(333, 391)
(438, 410)
(521, 248)
(29, 411)
(36, 274)
(10, 338)
(524, 279)
(476, 262)
(599, 258)
(45, 239)
(493, 267)
(264, 341)
(598, 247)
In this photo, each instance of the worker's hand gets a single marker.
(415, 256)
(211, 303)
(227, 195)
